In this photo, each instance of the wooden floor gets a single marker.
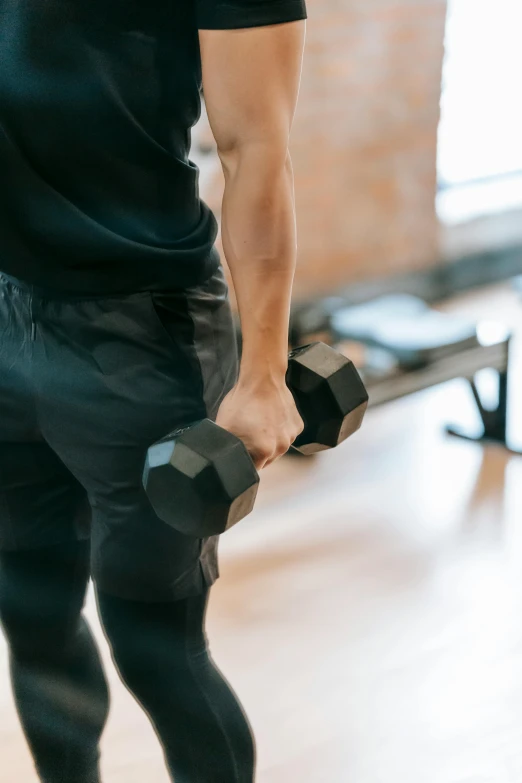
(369, 612)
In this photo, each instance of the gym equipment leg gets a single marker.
(494, 421)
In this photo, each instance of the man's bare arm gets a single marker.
(251, 82)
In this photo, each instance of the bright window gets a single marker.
(480, 134)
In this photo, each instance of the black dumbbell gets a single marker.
(201, 480)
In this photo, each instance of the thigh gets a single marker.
(119, 374)
(18, 420)
(40, 501)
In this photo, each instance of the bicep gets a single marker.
(251, 58)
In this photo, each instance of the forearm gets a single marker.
(260, 245)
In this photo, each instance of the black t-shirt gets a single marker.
(97, 99)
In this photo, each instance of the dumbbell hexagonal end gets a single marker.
(200, 479)
(330, 396)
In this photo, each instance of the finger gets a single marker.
(270, 458)
(276, 457)
(260, 459)
(278, 453)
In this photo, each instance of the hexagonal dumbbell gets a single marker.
(329, 395)
(201, 480)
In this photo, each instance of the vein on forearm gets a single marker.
(260, 245)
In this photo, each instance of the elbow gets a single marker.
(267, 154)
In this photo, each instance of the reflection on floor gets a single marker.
(369, 613)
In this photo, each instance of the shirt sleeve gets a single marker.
(234, 14)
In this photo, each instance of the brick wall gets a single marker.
(364, 141)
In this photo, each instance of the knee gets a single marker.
(9, 616)
(25, 633)
(129, 656)
(36, 622)
(144, 642)
(122, 632)
(16, 612)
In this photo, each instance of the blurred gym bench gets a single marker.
(409, 347)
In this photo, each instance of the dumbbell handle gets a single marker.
(202, 463)
(332, 360)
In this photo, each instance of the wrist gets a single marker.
(262, 376)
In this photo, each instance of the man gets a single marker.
(115, 329)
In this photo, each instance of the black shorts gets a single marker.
(86, 385)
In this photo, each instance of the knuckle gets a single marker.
(299, 424)
(263, 452)
(268, 450)
(283, 447)
(258, 456)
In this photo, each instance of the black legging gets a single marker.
(161, 653)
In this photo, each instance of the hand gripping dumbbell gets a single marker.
(201, 480)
